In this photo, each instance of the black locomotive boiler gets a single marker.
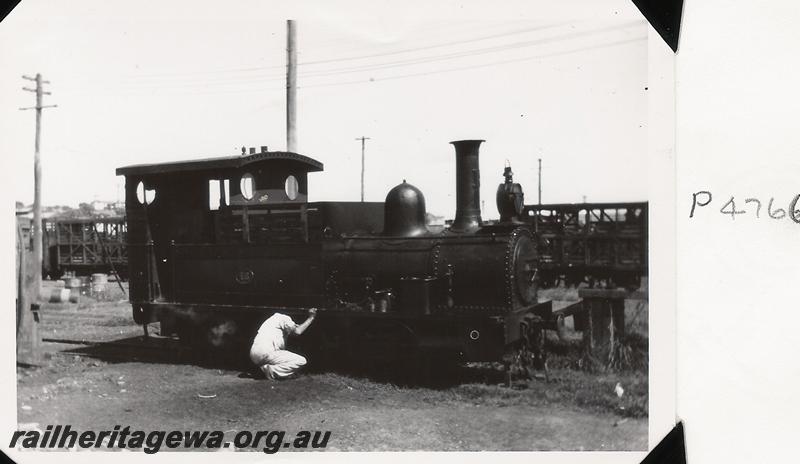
(217, 245)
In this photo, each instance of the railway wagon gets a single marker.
(84, 246)
(216, 246)
(81, 246)
(591, 242)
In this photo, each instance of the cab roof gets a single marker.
(226, 162)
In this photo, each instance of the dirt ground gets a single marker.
(95, 388)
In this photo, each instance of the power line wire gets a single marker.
(401, 63)
(467, 53)
(446, 44)
(410, 75)
(434, 58)
(484, 65)
(371, 55)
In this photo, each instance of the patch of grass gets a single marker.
(566, 387)
(629, 354)
(636, 317)
(601, 394)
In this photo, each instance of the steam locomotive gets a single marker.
(217, 245)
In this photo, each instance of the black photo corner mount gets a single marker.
(4, 11)
(4, 459)
(665, 17)
(671, 450)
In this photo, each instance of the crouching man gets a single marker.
(268, 350)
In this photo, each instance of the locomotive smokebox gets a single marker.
(404, 212)
(468, 186)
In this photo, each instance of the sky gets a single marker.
(133, 84)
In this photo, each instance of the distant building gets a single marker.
(86, 210)
(117, 205)
(433, 220)
(55, 211)
(99, 205)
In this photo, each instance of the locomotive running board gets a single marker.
(569, 310)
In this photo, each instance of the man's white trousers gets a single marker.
(277, 363)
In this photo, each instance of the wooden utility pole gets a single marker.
(363, 139)
(291, 87)
(540, 181)
(37, 184)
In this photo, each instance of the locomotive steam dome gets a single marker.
(404, 212)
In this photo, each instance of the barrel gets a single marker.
(59, 295)
(85, 285)
(99, 282)
(72, 282)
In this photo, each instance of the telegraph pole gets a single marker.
(291, 86)
(37, 182)
(27, 331)
(363, 139)
(540, 181)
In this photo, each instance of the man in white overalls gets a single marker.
(268, 350)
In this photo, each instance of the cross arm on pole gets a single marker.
(33, 79)
(40, 107)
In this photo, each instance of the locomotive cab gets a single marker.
(200, 231)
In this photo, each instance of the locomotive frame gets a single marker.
(385, 282)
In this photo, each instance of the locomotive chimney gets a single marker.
(468, 183)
